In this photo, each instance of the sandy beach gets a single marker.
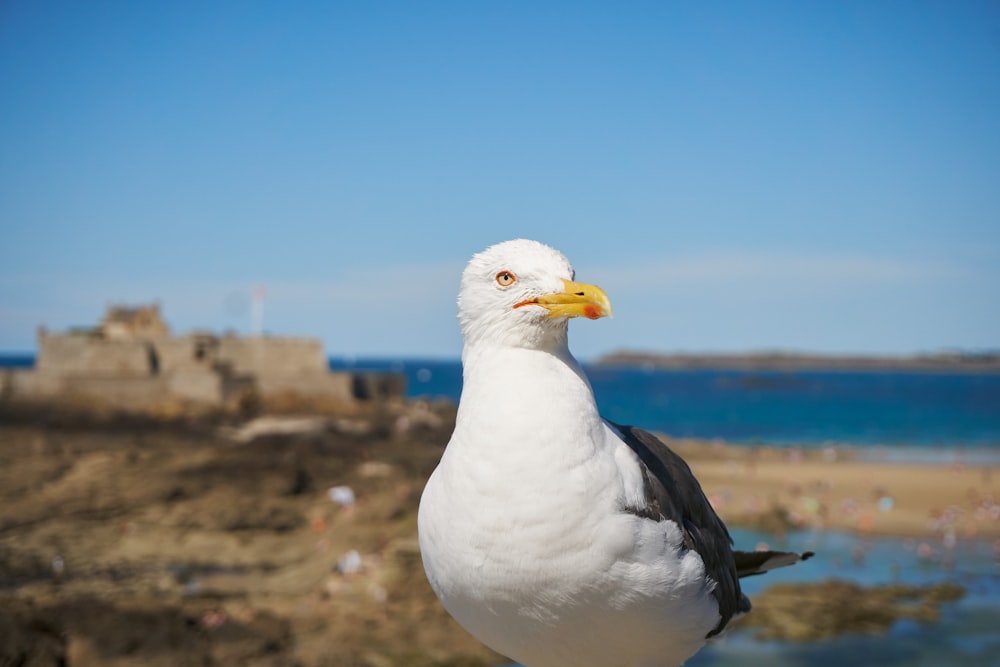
(834, 488)
(138, 543)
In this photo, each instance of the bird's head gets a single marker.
(522, 293)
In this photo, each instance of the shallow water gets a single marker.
(968, 634)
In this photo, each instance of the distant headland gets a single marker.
(958, 361)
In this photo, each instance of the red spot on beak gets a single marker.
(591, 312)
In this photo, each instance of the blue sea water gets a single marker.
(17, 360)
(967, 635)
(928, 412)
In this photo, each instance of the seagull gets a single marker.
(554, 536)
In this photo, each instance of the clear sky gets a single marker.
(820, 176)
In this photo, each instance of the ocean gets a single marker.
(929, 416)
(893, 415)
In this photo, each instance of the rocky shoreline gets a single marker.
(289, 540)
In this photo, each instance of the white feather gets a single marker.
(522, 525)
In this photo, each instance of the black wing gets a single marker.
(673, 493)
(752, 563)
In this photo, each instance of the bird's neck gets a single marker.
(485, 335)
(484, 366)
(525, 395)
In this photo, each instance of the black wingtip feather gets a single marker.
(673, 494)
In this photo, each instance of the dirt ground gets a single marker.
(144, 542)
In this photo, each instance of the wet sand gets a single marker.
(138, 543)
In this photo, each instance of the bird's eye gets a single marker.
(506, 279)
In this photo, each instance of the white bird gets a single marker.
(555, 537)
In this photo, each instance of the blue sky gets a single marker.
(737, 175)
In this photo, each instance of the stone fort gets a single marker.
(131, 361)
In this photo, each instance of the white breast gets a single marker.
(525, 538)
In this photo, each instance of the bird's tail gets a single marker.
(751, 563)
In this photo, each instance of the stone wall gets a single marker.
(195, 386)
(19, 382)
(326, 385)
(273, 356)
(68, 354)
(124, 393)
(186, 353)
(197, 369)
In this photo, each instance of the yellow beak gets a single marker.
(576, 300)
